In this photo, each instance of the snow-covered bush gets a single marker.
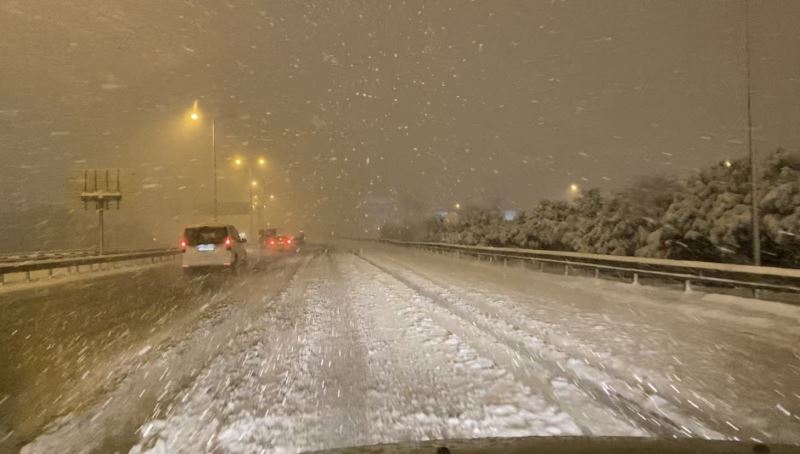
(706, 218)
(711, 218)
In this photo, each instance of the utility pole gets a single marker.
(756, 224)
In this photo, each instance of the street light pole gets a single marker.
(252, 184)
(214, 152)
(195, 116)
(756, 224)
(250, 208)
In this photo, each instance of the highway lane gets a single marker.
(63, 345)
(390, 344)
(363, 343)
(731, 363)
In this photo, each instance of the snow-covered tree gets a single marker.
(711, 219)
(707, 218)
(779, 205)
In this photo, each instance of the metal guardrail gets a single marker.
(50, 264)
(756, 278)
(41, 255)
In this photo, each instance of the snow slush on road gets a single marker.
(330, 349)
(356, 353)
(338, 364)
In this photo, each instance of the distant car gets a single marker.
(265, 234)
(212, 246)
(282, 243)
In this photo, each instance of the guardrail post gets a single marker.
(505, 261)
(50, 273)
(687, 286)
(28, 276)
(756, 293)
(566, 269)
(597, 273)
(635, 279)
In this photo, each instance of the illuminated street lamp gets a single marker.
(727, 163)
(261, 162)
(457, 206)
(195, 116)
(574, 188)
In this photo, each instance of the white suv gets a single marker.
(212, 246)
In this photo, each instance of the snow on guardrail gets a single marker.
(41, 255)
(69, 263)
(707, 273)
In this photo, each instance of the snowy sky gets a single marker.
(435, 102)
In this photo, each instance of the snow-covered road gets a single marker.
(350, 357)
(391, 345)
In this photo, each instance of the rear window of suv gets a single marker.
(205, 235)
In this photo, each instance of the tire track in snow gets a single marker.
(340, 370)
(714, 423)
(146, 388)
(289, 384)
(643, 411)
(455, 391)
(696, 396)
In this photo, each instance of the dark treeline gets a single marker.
(706, 218)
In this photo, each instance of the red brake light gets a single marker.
(289, 240)
(183, 244)
(272, 242)
(228, 243)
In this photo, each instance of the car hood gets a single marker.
(572, 445)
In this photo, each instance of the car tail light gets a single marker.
(272, 242)
(228, 243)
(183, 244)
(288, 240)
